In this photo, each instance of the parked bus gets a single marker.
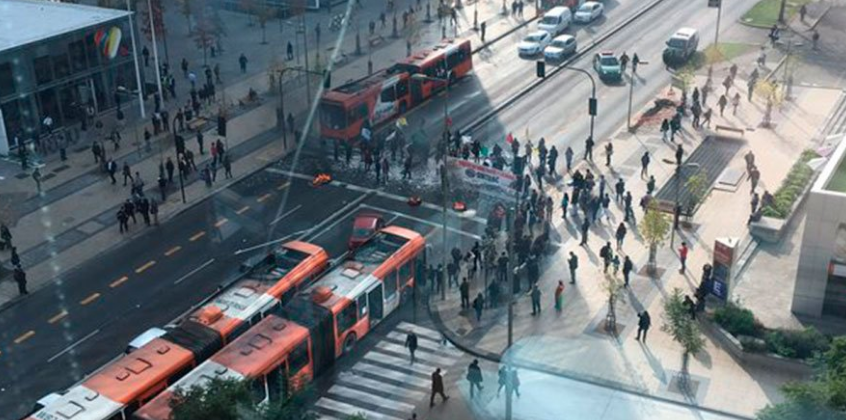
(321, 324)
(352, 111)
(128, 382)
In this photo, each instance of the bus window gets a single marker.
(258, 392)
(388, 94)
(455, 58)
(256, 318)
(405, 272)
(275, 382)
(390, 285)
(298, 358)
(347, 318)
(362, 306)
(287, 296)
(332, 115)
(402, 88)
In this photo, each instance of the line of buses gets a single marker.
(285, 321)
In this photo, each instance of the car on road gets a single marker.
(365, 227)
(608, 66)
(560, 47)
(556, 20)
(588, 12)
(534, 43)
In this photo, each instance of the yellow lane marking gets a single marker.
(118, 282)
(221, 222)
(264, 197)
(242, 210)
(283, 186)
(89, 299)
(147, 265)
(172, 251)
(58, 317)
(197, 235)
(25, 336)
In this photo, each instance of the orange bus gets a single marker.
(274, 356)
(324, 322)
(124, 385)
(352, 111)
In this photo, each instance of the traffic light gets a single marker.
(221, 126)
(327, 79)
(541, 69)
(592, 106)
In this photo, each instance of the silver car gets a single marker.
(560, 47)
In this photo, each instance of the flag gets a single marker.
(449, 122)
(509, 138)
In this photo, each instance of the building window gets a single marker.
(7, 80)
(91, 51)
(43, 70)
(77, 55)
(298, 358)
(61, 66)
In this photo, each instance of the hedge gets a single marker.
(790, 190)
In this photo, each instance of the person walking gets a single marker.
(123, 221)
(411, 344)
(706, 117)
(589, 143)
(683, 251)
(36, 176)
(665, 128)
(5, 237)
(536, 300)
(127, 173)
(15, 259)
(437, 387)
(624, 61)
(568, 158)
(573, 265)
(607, 255)
(735, 102)
(111, 169)
(242, 60)
(609, 150)
(515, 382)
(20, 278)
(628, 266)
(754, 178)
(474, 376)
(756, 199)
(635, 62)
(620, 235)
(643, 324)
(679, 154)
(200, 142)
(154, 211)
(502, 267)
(802, 11)
(464, 289)
(502, 379)
(722, 102)
(585, 229)
(478, 306)
(227, 166)
(644, 164)
(559, 296)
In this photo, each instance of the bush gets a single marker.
(736, 320)
(793, 344)
(752, 344)
(792, 186)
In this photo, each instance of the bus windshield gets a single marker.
(332, 115)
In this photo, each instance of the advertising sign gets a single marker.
(489, 181)
(724, 249)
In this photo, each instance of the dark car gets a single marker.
(365, 226)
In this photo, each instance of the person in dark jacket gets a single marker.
(437, 387)
(411, 344)
(474, 376)
(643, 324)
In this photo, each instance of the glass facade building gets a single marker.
(67, 59)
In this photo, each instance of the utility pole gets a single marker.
(135, 60)
(592, 103)
(155, 52)
(444, 187)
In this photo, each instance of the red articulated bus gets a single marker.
(122, 386)
(350, 112)
(320, 324)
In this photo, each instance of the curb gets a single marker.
(812, 26)
(17, 299)
(497, 358)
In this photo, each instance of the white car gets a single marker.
(588, 12)
(560, 47)
(534, 43)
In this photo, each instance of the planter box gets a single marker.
(770, 229)
(765, 360)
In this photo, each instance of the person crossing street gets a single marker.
(437, 387)
(411, 344)
(474, 376)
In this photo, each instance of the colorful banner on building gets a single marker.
(489, 181)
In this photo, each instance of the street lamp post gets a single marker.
(679, 169)
(281, 114)
(592, 104)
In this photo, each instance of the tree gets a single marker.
(204, 36)
(684, 330)
(613, 288)
(264, 13)
(774, 97)
(697, 186)
(231, 399)
(822, 398)
(248, 7)
(186, 11)
(157, 10)
(654, 228)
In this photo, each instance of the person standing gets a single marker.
(464, 288)
(754, 177)
(559, 296)
(502, 267)
(227, 166)
(200, 142)
(536, 300)
(437, 387)
(644, 164)
(607, 255)
(144, 209)
(123, 221)
(568, 158)
(565, 201)
(478, 306)
(802, 11)
(515, 382)
(411, 344)
(683, 251)
(609, 150)
(242, 60)
(722, 102)
(15, 259)
(127, 173)
(502, 379)
(573, 265)
(756, 199)
(589, 149)
(20, 279)
(5, 237)
(620, 235)
(474, 376)
(643, 324)
(628, 266)
(679, 154)
(154, 211)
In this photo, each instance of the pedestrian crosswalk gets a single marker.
(384, 384)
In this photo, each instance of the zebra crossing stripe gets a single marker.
(397, 391)
(408, 327)
(426, 344)
(419, 355)
(366, 397)
(349, 409)
(418, 367)
(393, 375)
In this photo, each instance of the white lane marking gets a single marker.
(400, 392)
(431, 345)
(396, 376)
(424, 221)
(71, 347)
(354, 394)
(419, 355)
(194, 271)
(351, 410)
(262, 245)
(422, 331)
(418, 366)
(286, 214)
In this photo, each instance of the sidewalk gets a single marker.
(61, 229)
(574, 342)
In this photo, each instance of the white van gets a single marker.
(556, 20)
